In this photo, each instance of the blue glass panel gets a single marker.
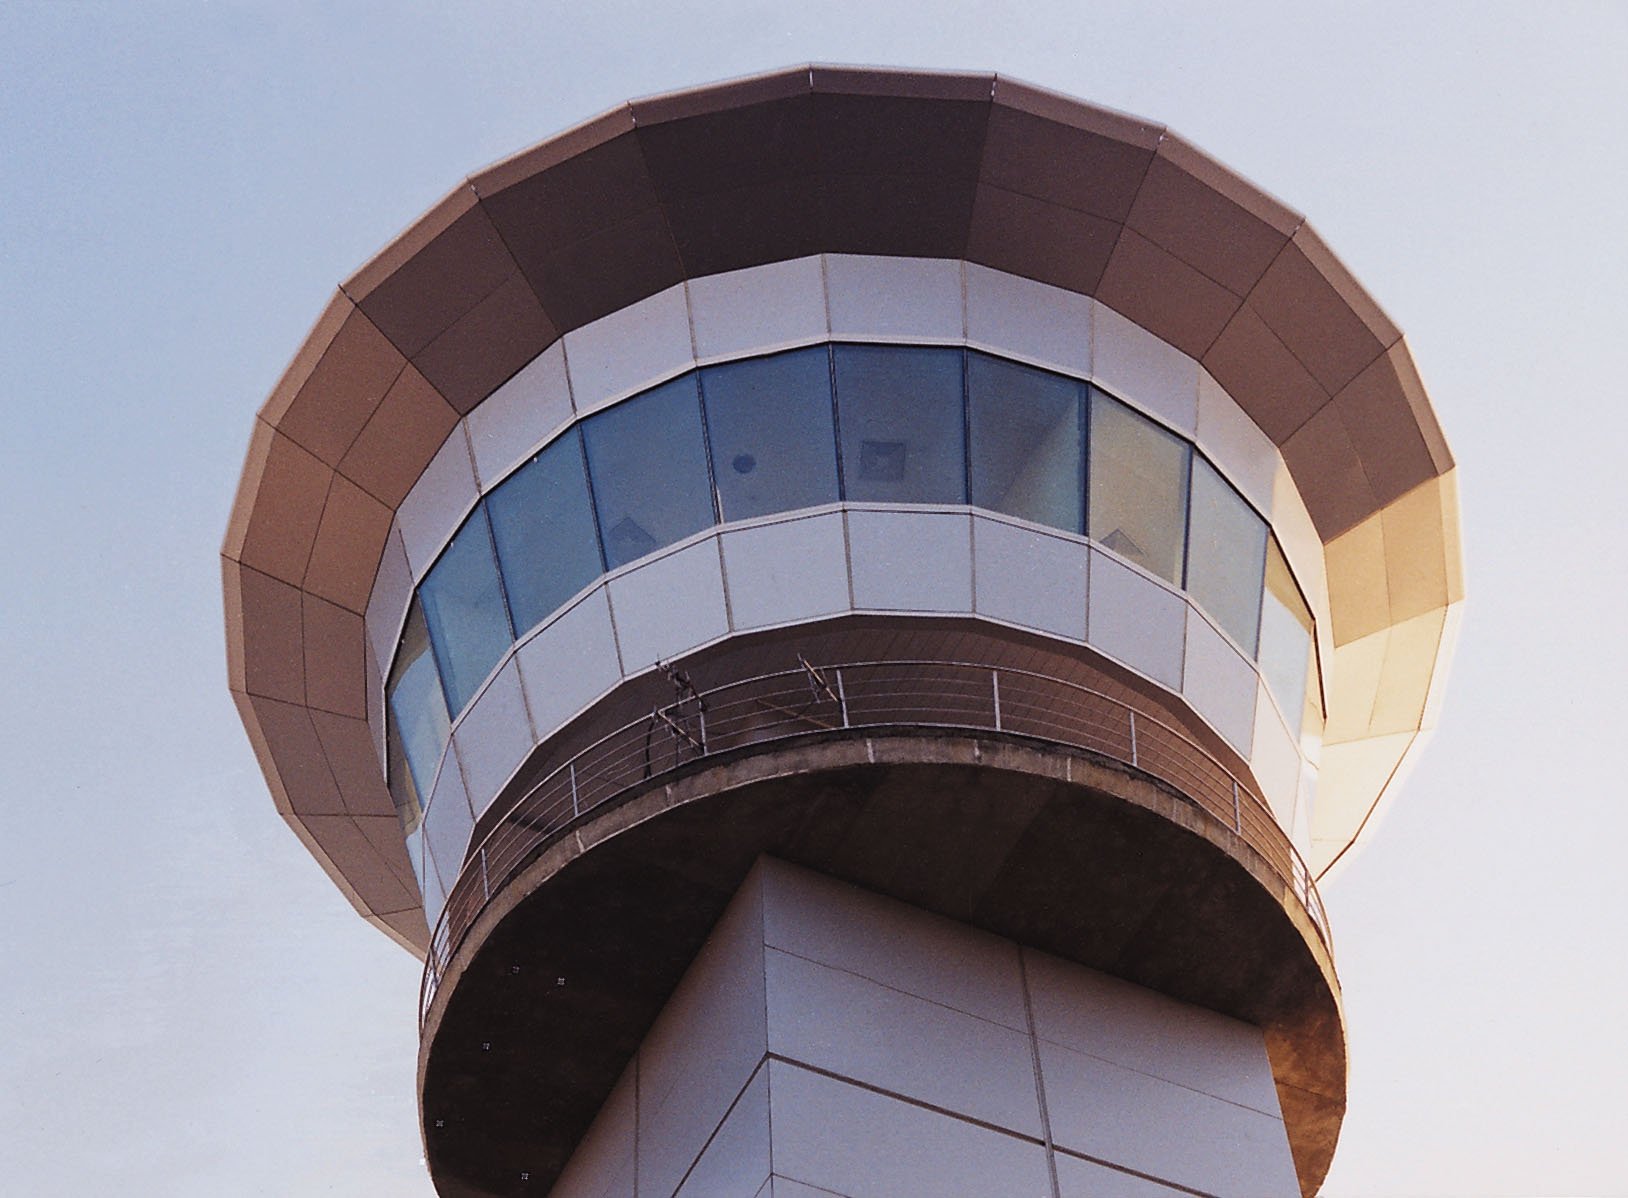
(1028, 442)
(1226, 555)
(648, 464)
(903, 436)
(1138, 480)
(418, 718)
(1286, 638)
(543, 525)
(463, 606)
(773, 444)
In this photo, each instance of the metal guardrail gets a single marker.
(817, 700)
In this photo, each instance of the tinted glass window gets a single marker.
(769, 420)
(1286, 637)
(543, 526)
(418, 716)
(1138, 498)
(648, 464)
(1028, 446)
(901, 418)
(463, 605)
(1226, 555)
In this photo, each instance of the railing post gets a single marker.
(485, 882)
(995, 689)
(1132, 710)
(842, 699)
(701, 721)
(1237, 810)
(576, 804)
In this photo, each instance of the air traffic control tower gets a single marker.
(844, 615)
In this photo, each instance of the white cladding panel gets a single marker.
(882, 1084)
(1030, 578)
(1138, 367)
(910, 561)
(1236, 444)
(494, 735)
(514, 421)
(735, 1163)
(1274, 759)
(789, 570)
(1140, 1029)
(894, 299)
(629, 350)
(1219, 683)
(447, 824)
(569, 662)
(849, 1025)
(703, 1048)
(1170, 1132)
(392, 592)
(1133, 619)
(758, 310)
(438, 502)
(813, 916)
(1078, 1178)
(1034, 322)
(669, 605)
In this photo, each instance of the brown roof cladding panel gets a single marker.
(1394, 430)
(347, 744)
(739, 188)
(587, 231)
(914, 216)
(837, 79)
(426, 280)
(350, 539)
(729, 96)
(289, 495)
(335, 672)
(1268, 381)
(507, 329)
(1095, 170)
(889, 135)
(265, 655)
(1045, 242)
(1322, 449)
(400, 439)
(1180, 209)
(1309, 299)
(607, 271)
(749, 226)
(760, 144)
(330, 404)
(1164, 295)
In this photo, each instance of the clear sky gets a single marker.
(188, 1007)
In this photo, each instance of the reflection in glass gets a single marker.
(649, 470)
(1286, 638)
(1138, 487)
(1226, 553)
(1027, 442)
(418, 718)
(447, 826)
(900, 413)
(769, 420)
(543, 525)
(463, 605)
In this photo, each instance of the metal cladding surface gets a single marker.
(973, 167)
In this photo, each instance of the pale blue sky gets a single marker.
(187, 1007)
